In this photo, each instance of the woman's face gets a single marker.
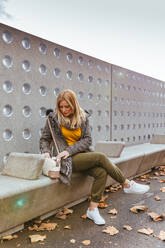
(65, 108)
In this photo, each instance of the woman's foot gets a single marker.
(95, 216)
(136, 188)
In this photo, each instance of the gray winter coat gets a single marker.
(83, 145)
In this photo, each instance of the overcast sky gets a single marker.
(128, 33)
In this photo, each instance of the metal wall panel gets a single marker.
(138, 106)
(32, 73)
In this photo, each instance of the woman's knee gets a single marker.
(101, 173)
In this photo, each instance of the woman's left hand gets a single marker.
(64, 155)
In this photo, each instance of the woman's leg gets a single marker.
(85, 161)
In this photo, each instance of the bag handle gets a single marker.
(54, 140)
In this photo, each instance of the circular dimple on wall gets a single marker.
(107, 83)
(43, 90)
(90, 96)
(69, 75)
(56, 92)
(90, 79)
(7, 110)
(7, 61)
(106, 113)
(81, 77)
(26, 65)
(7, 86)
(7, 37)
(26, 43)
(26, 88)
(7, 135)
(43, 69)
(107, 128)
(98, 128)
(5, 158)
(90, 64)
(26, 111)
(42, 48)
(57, 53)
(107, 69)
(69, 57)
(57, 72)
(80, 60)
(107, 99)
(99, 81)
(99, 67)
(99, 97)
(42, 112)
(26, 134)
(80, 95)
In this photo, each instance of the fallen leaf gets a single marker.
(161, 235)
(162, 189)
(68, 227)
(156, 174)
(146, 231)
(33, 228)
(84, 216)
(112, 211)
(61, 215)
(102, 205)
(86, 242)
(157, 198)
(137, 209)
(73, 241)
(154, 178)
(162, 167)
(67, 211)
(18, 245)
(127, 227)
(113, 189)
(155, 216)
(9, 237)
(111, 230)
(162, 181)
(144, 176)
(162, 173)
(37, 221)
(36, 238)
(47, 226)
(113, 217)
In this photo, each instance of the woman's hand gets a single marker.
(64, 155)
(46, 155)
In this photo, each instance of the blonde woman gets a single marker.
(73, 135)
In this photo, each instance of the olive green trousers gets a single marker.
(97, 165)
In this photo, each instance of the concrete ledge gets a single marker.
(22, 200)
(158, 139)
(110, 148)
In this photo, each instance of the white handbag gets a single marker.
(51, 168)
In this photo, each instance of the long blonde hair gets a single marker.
(78, 113)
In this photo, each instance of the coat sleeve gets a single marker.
(45, 139)
(84, 143)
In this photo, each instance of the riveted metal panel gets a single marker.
(138, 105)
(32, 73)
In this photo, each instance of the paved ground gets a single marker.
(84, 229)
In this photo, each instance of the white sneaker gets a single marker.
(95, 216)
(136, 188)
